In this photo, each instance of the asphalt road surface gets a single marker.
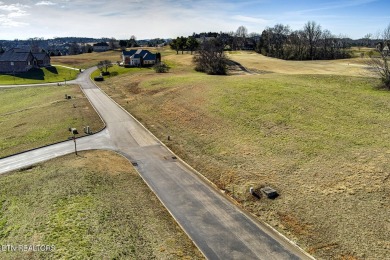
(220, 229)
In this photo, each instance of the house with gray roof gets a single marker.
(18, 60)
(101, 47)
(43, 59)
(140, 58)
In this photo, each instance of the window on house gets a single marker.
(12, 63)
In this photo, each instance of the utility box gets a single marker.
(87, 130)
(270, 192)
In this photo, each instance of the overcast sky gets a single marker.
(23, 19)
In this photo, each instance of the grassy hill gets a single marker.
(315, 131)
(91, 206)
(42, 75)
(35, 116)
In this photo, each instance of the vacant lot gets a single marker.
(91, 206)
(35, 76)
(35, 116)
(315, 131)
(261, 64)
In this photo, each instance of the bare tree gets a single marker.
(112, 43)
(240, 36)
(313, 33)
(74, 48)
(104, 65)
(367, 39)
(327, 44)
(380, 64)
(132, 42)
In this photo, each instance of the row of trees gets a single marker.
(133, 42)
(279, 41)
(184, 44)
(310, 43)
(238, 40)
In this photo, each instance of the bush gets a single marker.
(105, 73)
(161, 67)
(98, 78)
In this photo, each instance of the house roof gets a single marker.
(129, 53)
(140, 53)
(12, 55)
(101, 44)
(40, 55)
(150, 56)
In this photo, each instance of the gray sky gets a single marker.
(22, 19)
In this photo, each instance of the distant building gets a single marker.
(140, 58)
(101, 47)
(20, 60)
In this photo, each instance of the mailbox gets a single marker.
(73, 131)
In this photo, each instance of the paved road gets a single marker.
(220, 229)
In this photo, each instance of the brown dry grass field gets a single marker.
(90, 206)
(313, 130)
(262, 64)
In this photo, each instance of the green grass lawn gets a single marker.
(116, 70)
(91, 206)
(35, 116)
(42, 75)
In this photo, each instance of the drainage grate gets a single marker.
(170, 158)
(134, 163)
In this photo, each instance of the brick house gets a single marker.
(43, 59)
(19, 60)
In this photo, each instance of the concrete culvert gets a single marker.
(270, 192)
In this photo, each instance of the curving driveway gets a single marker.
(220, 229)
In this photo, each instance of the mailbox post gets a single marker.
(74, 132)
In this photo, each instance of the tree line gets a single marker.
(309, 43)
(279, 41)
(238, 40)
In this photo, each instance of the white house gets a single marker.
(101, 47)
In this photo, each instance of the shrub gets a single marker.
(161, 67)
(98, 78)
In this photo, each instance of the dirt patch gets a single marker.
(133, 87)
